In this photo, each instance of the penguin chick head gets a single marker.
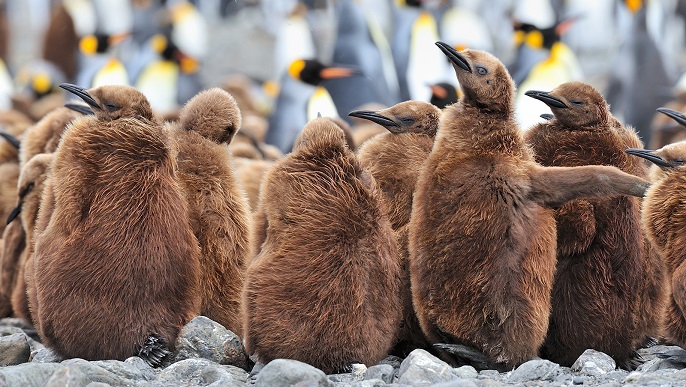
(111, 102)
(667, 160)
(320, 133)
(484, 80)
(213, 114)
(575, 104)
(405, 117)
(30, 173)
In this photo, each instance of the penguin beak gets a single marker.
(11, 139)
(374, 117)
(14, 214)
(650, 156)
(547, 116)
(338, 72)
(81, 93)
(454, 56)
(83, 109)
(673, 114)
(438, 91)
(546, 98)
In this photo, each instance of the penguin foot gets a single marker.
(346, 369)
(154, 350)
(631, 363)
(469, 355)
(650, 342)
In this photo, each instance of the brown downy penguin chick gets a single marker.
(662, 218)
(45, 135)
(13, 243)
(328, 259)
(30, 188)
(219, 211)
(394, 159)
(601, 267)
(482, 233)
(119, 241)
(250, 173)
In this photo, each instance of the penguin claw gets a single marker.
(650, 342)
(154, 350)
(632, 362)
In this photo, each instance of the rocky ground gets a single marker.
(209, 355)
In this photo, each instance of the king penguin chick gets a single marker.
(118, 241)
(394, 159)
(602, 266)
(482, 233)
(30, 187)
(219, 211)
(662, 216)
(328, 258)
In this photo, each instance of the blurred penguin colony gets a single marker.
(339, 180)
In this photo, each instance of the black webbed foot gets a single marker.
(154, 350)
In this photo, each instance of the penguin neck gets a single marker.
(475, 131)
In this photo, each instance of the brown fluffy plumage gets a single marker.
(482, 235)
(601, 263)
(30, 187)
(250, 173)
(45, 135)
(328, 259)
(118, 242)
(394, 159)
(662, 218)
(13, 243)
(219, 211)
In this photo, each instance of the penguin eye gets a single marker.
(111, 107)
(577, 103)
(678, 161)
(481, 70)
(407, 120)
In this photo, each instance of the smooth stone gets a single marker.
(14, 349)
(287, 372)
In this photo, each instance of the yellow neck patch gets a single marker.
(41, 83)
(534, 39)
(296, 68)
(88, 45)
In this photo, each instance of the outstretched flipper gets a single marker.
(154, 350)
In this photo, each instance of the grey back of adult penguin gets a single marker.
(298, 85)
(363, 46)
(639, 82)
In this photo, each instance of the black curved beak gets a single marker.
(374, 117)
(454, 56)
(673, 114)
(14, 214)
(83, 109)
(11, 139)
(547, 116)
(81, 93)
(546, 98)
(650, 156)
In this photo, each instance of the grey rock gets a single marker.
(579, 379)
(466, 372)
(457, 383)
(538, 369)
(45, 355)
(489, 374)
(393, 361)
(421, 368)
(356, 375)
(594, 363)
(492, 383)
(98, 384)
(206, 339)
(370, 383)
(9, 330)
(201, 372)
(383, 372)
(112, 372)
(35, 345)
(27, 374)
(14, 349)
(133, 368)
(664, 377)
(286, 372)
(67, 376)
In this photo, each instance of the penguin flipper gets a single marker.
(154, 350)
